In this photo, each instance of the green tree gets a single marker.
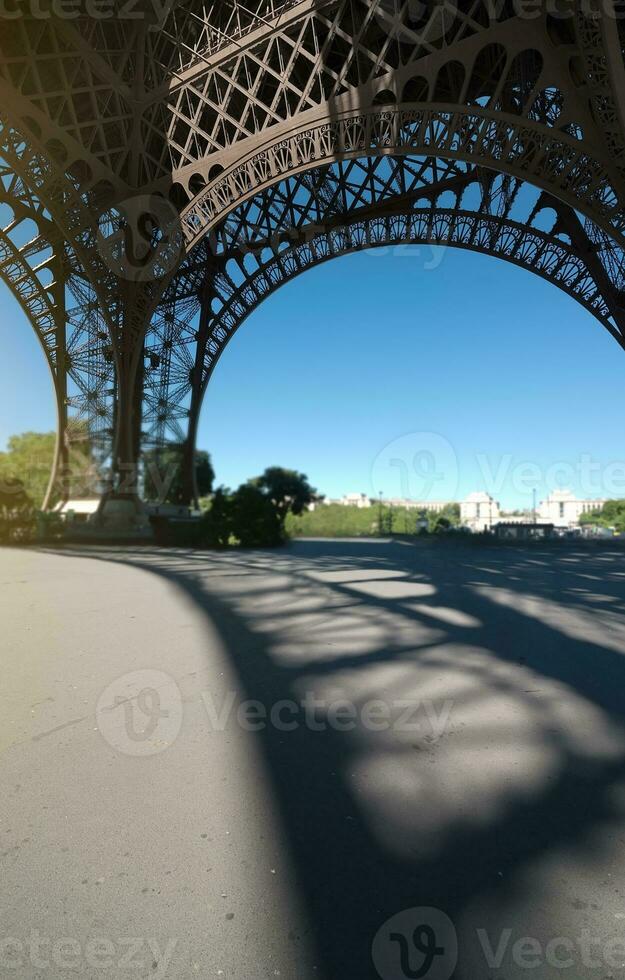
(289, 491)
(17, 514)
(255, 520)
(612, 514)
(440, 524)
(333, 521)
(13, 497)
(163, 474)
(451, 513)
(29, 459)
(387, 519)
(217, 520)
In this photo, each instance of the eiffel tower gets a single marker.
(168, 164)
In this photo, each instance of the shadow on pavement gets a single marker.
(500, 800)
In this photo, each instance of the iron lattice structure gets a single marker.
(165, 167)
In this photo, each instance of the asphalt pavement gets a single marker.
(339, 760)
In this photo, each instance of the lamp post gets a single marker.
(380, 514)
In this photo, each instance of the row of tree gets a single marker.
(252, 515)
(30, 455)
(337, 521)
(263, 511)
(612, 514)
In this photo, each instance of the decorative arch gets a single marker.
(319, 214)
(234, 101)
(63, 312)
(550, 159)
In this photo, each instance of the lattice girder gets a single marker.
(357, 204)
(251, 119)
(34, 266)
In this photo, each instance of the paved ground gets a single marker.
(341, 760)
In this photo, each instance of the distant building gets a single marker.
(480, 512)
(431, 505)
(362, 500)
(347, 500)
(562, 509)
(355, 500)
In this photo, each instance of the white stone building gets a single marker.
(479, 511)
(362, 500)
(347, 500)
(563, 509)
(431, 505)
(355, 500)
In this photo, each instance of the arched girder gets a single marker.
(536, 252)
(552, 161)
(309, 218)
(34, 266)
(223, 101)
(38, 178)
(533, 250)
(601, 39)
(323, 58)
(27, 258)
(74, 206)
(198, 40)
(112, 310)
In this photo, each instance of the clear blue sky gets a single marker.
(379, 372)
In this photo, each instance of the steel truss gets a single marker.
(174, 172)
